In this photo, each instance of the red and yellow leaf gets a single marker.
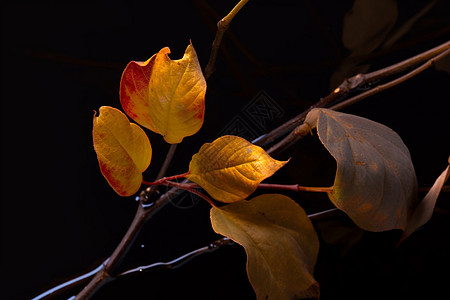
(123, 150)
(280, 242)
(230, 168)
(166, 96)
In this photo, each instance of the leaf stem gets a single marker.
(281, 187)
(294, 188)
(188, 187)
(327, 189)
(222, 26)
(162, 181)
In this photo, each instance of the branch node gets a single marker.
(223, 25)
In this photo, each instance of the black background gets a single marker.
(63, 60)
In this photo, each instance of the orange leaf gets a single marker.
(166, 96)
(123, 150)
(230, 168)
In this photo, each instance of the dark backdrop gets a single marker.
(61, 60)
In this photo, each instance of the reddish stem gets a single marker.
(282, 187)
(189, 187)
(294, 188)
(326, 189)
(163, 180)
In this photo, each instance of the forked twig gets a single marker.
(353, 83)
(222, 26)
(297, 133)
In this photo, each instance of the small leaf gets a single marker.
(230, 168)
(280, 243)
(375, 182)
(123, 150)
(166, 96)
(424, 210)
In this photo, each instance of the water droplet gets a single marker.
(140, 270)
(148, 205)
(142, 246)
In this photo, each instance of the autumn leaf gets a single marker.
(424, 210)
(280, 242)
(375, 181)
(230, 168)
(166, 96)
(123, 150)
(367, 26)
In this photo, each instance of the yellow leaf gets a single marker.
(230, 168)
(280, 242)
(166, 96)
(123, 150)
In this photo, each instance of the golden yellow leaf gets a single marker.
(166, 96)
(230, 168)
(280, 242)
(123, 150)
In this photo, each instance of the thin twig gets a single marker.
(144, 212)
(222, 26)
(146, 195)
(299, 131)
(179, 261)
(347, 86)
(173, 264)
(389, 84)
(224, 241)
(65, 286)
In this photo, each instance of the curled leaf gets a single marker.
(424, 210)
(375, 182)
(280, 242)
(230, 168)
(123, 150)
(166, 96)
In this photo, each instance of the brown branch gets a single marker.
(301, 131)
(390, 84)
(350, 84)
(149, 192)
(144, 212)
(222, 26)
